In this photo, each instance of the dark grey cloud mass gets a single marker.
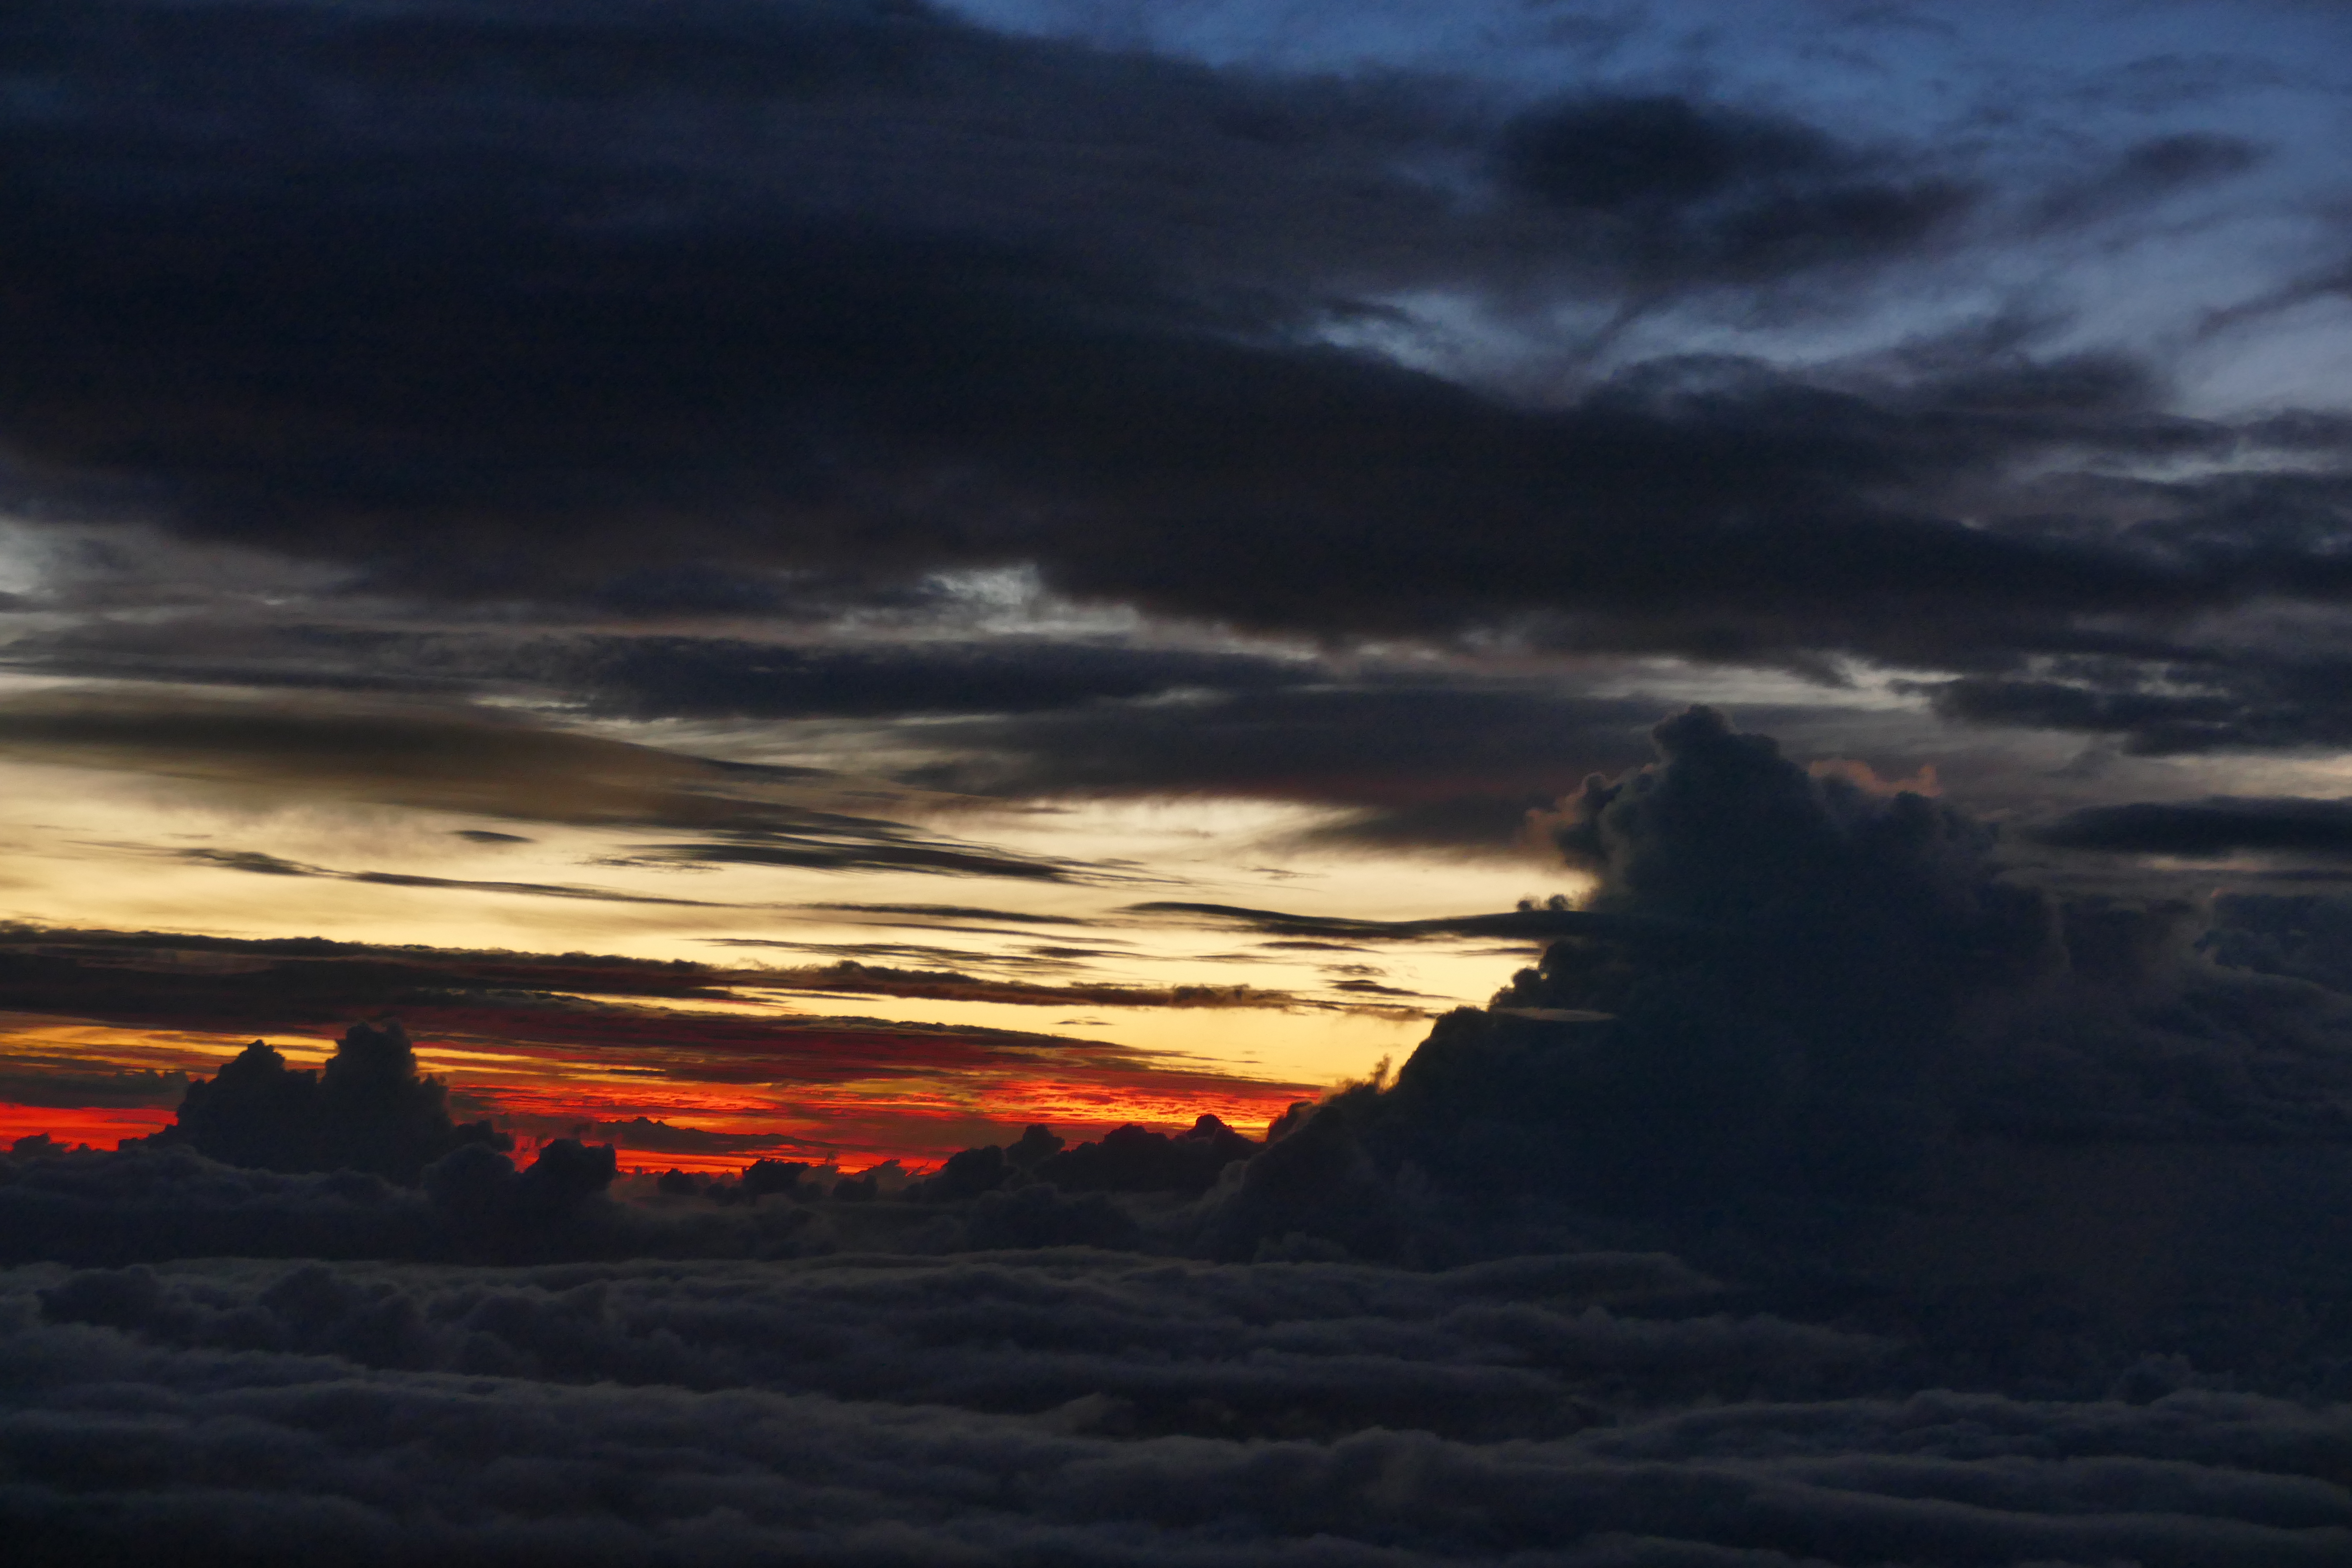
(1857, 969)
(1792, 996)
(868, 291)
(1082, 1407)
(576, 325)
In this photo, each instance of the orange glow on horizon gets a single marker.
(101, 1127)
(852, 1093)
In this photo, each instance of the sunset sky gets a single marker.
(1691, 661)
(835, 580)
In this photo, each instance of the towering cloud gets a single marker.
(369, 1109)
(1797, 985)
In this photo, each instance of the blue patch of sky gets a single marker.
(2027, 97)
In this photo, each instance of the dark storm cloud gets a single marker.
(2068, 1347)
(1786, 979)
(151, 1203)
(869, 292)
(2216, 827)
(1181, 1346)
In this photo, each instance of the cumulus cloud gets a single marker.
(368, 1109)
(1786, 981)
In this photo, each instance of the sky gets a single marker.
(881, 782)
(885, 503)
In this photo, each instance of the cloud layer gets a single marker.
(1082, 1406)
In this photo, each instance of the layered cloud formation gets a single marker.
(2014, 1217)
(1085, 1407)
(1096, 536)
(703, 314)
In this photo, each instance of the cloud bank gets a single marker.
(1825, 1195)
(1082, 1406)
